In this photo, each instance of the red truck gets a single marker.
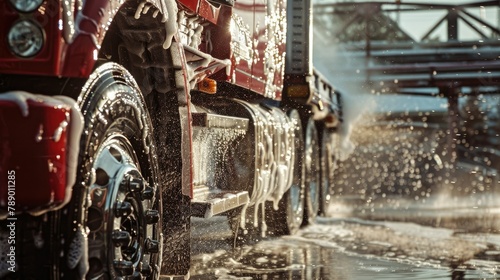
(120, 120)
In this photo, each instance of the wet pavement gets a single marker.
(346, 247)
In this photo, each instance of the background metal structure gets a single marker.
(391, 60)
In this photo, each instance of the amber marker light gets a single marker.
(208, 86)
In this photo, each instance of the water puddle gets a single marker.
(352, 249)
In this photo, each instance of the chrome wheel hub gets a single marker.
(122, 215)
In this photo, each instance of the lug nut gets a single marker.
(123, 209)
(152, 216)
(120, 238)
(152, 246)
(148, 193)
(136, 184)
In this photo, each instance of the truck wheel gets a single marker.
(290, 214)
(312, 178)
(123, 201)
(328, 162)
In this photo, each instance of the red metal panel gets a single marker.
(192, 5)
(260, 42)
(243, 23)
(209, 11)
(32, 148)
(93, 21)
(269, 39)
(74, 58)
(79, 57)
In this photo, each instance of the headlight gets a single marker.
(25, 38)
(26, 6)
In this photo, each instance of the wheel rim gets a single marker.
(326, 169)
(121, 217)
(295, 197)
(296, 192)
(312, 174)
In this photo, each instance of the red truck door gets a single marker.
(242, 30)
(269, 45)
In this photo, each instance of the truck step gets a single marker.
(210, 203)
(218, 121)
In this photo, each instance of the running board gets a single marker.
(219, 121)
(216, 202)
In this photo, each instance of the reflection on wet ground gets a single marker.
(348, 247)
(302, 258)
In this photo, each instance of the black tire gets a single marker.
(312, 174)
(290, 214)
(134, 43)
(122, 196)
(329, 157)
